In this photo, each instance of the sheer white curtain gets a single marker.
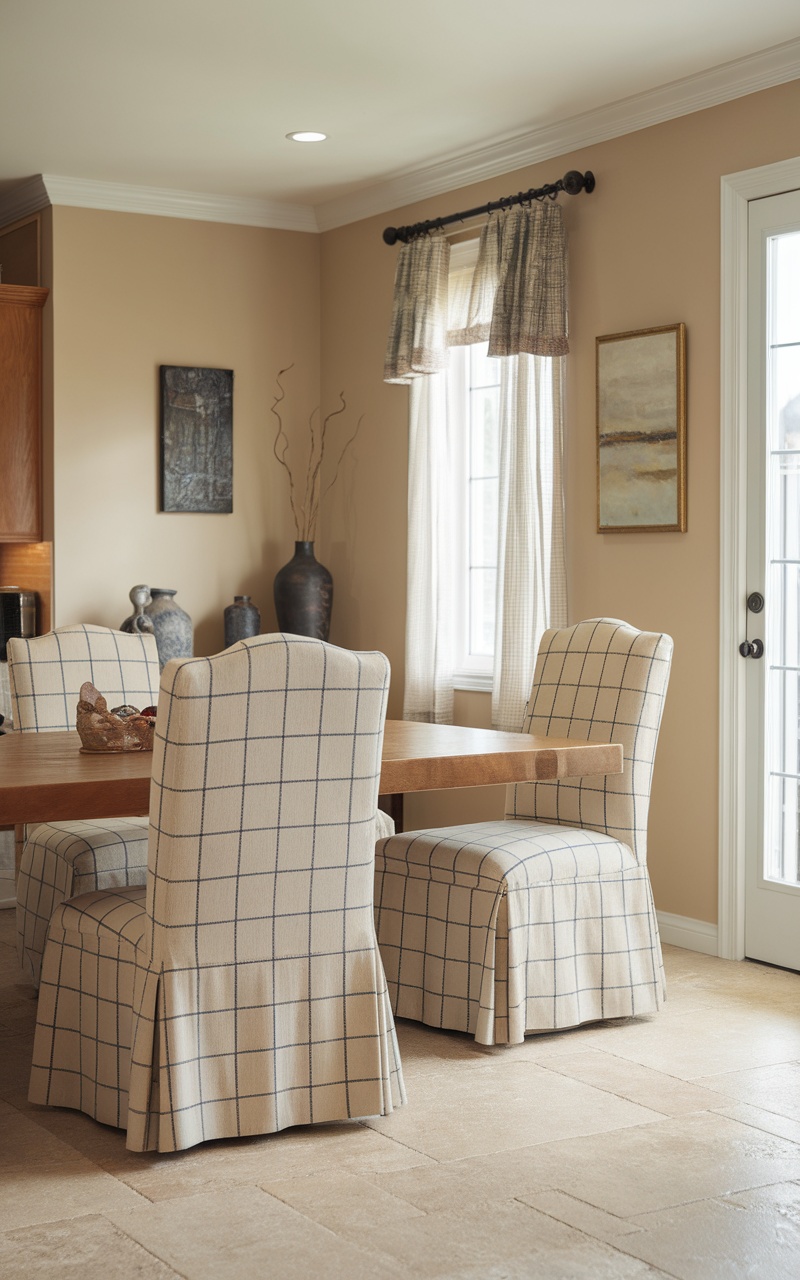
(531, 563)
(514, 296)
(430, 599)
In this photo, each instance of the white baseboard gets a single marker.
(682, 931)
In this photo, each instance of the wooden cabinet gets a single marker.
(20, 412)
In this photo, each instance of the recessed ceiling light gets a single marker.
(306, 135)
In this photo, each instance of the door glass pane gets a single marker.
(786, 298)
(782, 692)
(785, 401)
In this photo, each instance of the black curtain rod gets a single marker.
(572, 182)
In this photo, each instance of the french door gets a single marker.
(771, 647)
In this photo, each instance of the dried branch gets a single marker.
(345, 447)
(306, 512)
(281, 442)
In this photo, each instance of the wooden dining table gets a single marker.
(46, 777)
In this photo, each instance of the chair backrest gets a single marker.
(599, 681)
(46, 673)
(263, 806)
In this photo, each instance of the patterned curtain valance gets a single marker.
(516, 297)
(529, 316)
(418, 333)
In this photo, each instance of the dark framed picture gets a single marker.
(196, 439)
(641, 431)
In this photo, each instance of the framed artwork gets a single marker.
(641, 431)
(196, 439)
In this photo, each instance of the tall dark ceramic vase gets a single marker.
(172, 625)
(303, 594)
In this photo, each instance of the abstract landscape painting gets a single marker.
(641, 430)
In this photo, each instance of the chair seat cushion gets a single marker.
(107, 852)
(515, 851)
(118, 912)
(64, 859)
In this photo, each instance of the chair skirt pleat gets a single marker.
(180, 1057)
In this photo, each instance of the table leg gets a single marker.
(393, 805)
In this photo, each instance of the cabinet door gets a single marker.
(20, 412)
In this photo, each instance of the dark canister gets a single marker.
(17, 616)
(242, 619)
(304, 594)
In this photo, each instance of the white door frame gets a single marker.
(737, 190)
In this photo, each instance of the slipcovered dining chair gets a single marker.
(60, 859)
(545, 919)
(242, 991)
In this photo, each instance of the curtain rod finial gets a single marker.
(575, 182)
(390, 235)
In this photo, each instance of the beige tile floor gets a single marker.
(665, 1146)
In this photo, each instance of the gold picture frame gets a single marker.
(641, 431)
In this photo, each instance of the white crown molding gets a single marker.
(693, 93)
(45, 189)
(165, 203)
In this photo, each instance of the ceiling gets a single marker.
(198, 95)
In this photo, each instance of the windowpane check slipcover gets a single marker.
(545, 919)
(60, 859)
(242, 990)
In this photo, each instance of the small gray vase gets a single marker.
(172, 625)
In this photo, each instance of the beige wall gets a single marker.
(132, 292)
(644, 251)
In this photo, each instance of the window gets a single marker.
(474, 399)
(485, 528)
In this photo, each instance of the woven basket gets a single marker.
(103, 731)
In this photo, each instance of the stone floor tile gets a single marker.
(248, 1233)
(23, 1143)
(751, 1237)
(451, 1118)
(439, 1187)
(293, 1153)
(47, 1191)
(84, 1248)
(708, 1041)
(649, 1088)
(769, 1121)
(344, 1202)
(576, 1213)
(506, 1239)
(775, 1088)
(649, 1167)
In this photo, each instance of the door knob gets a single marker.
(751, 648)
